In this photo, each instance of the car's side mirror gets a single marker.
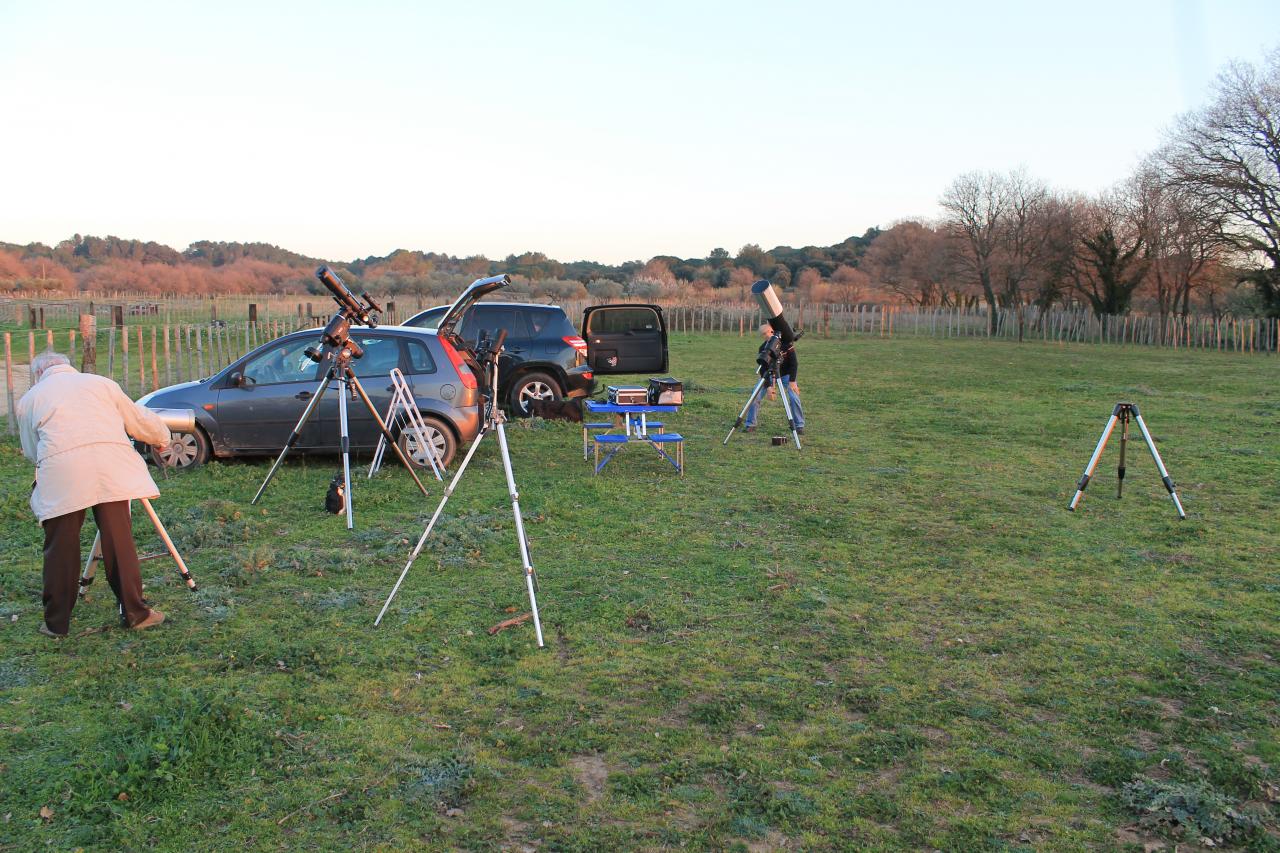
(239, 380)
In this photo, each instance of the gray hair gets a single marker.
(44, 361)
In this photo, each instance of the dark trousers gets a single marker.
(119, 559)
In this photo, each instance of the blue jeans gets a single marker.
(796, 410)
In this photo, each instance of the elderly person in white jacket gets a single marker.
(75, 427)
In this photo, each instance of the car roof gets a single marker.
(360, 330)
(496, 304)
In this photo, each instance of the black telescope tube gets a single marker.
(345, 298)
(772, 307)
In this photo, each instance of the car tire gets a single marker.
(187, 450)
(438, 434)
(532, 386)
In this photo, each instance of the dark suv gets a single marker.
(545, 358)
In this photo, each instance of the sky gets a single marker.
(601, 131)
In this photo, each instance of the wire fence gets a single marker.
(146, 344)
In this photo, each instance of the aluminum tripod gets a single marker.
(494, 422)
(1121, 414)
(340, 369)
(95, 553)
(756, 392)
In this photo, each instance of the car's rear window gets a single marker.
(491, 318)
(624, 320)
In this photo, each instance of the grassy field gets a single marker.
(897, 639)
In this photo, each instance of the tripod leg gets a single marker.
(1164, 475)
(355, 383)
(755, 392)
(91, 564)
(1093, 460)
(346, 455)
(786, 406)
(168, 544)
(430, 524)
(530, 579)
(1124, 442)
(295, 435)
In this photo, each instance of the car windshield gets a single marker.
(428, 319)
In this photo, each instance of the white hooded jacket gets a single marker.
(76, 426)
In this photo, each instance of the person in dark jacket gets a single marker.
(787, 370)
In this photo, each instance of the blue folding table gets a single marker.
(636, 428)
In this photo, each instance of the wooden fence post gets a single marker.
(124, 357)
(155, 373)
(111, 353)
(12, 419)
(142, 365)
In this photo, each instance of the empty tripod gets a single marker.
(1121, 414)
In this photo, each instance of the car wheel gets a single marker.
(532, 386)
(186, 450)
(439, 438)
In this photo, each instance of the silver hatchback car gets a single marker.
(250, 407)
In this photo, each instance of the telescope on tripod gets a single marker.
(769, 360)
(482, 357)
(338, 349)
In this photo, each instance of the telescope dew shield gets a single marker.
(178, 420)
(772, 308)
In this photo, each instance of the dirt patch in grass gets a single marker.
(592, 774)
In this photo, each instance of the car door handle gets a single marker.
(303, 395)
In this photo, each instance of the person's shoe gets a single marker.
(799, 430)
(44, 629)
(155, 617)
(749, 429)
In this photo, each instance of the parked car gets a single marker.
(251, 407)
(545, 358)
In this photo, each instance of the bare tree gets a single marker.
(1182, 235)
(1228, 155)
(1110, 265)
(915, 261)
(1061, 222)
(996, 218)
(976, 205)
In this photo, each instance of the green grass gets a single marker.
(896, 639)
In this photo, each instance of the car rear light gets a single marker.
(577, 343)
(460, 367)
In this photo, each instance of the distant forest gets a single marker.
(113, 263)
